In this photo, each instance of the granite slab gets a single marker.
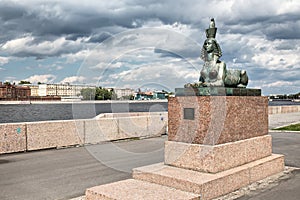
(217, 158)
(131, 189)
(210, 185)
(217, 119)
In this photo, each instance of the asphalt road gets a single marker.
(67, 173)
(284, 119)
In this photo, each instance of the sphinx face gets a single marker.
(208, 44)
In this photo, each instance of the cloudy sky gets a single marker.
(148, 44)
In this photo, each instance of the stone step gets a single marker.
(217, 158)
(131, 189)
(210, 185)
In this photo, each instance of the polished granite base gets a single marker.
(212, 120)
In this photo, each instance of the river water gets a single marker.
(10, 113)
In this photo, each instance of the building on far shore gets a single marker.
(123, 92)
(62, 90)
(160, 95)
(34, 90)
(14, 92)
(68, 92)
(149, 95)
(284, 96)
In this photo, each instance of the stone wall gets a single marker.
(283, 109)
(54, 134)
(12, 137)
(17, 137)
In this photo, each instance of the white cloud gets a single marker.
(4, 60)
(17, 43)
(267, 55)
(137, 48)
(163, 74)
(27, 46)
(78, 56)
(46, 78)
(288, 7)
(278, 84)
(58, 67)
(74, 79)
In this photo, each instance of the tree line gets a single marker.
(98, 93)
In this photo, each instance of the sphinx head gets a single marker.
(212, 47)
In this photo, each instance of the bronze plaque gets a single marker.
(189, 113)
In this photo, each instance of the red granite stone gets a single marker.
(217, 119)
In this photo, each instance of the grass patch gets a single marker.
(293, 127)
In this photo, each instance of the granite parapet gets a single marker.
(12, 138)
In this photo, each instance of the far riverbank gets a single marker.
(79, 102)
(271, 103)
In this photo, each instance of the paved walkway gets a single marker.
(277, 120)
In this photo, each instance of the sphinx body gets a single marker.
(214, 72)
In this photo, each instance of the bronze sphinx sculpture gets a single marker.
(214, 72)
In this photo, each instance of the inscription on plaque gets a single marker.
(189, 113)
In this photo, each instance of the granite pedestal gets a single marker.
(218, 142)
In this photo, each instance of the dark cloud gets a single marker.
(43, 55)
(284, 26)
(74, 37)
(70, 19)
(257, 74)
(288, 45)
(21, 19)
(273, 75)
(287, 30)
(98, 38)
(10, 11)
(290, 74)
(165, 53)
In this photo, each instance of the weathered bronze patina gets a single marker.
(214, 72)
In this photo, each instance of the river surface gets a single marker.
(10, 113)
